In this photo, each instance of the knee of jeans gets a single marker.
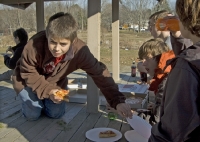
(30, 112)
(55, 113)
(32, 116)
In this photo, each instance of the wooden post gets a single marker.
(93, 41)
(115, 40)
(40, 15)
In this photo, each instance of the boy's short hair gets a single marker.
(21, 34)
(159, 14)
(62, 25)
(189, 14)
(152, 47)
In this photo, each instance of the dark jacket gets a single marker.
(11, 62)
(180, 107)
(30, 69)
(179, 44)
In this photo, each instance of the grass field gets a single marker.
(129, 44)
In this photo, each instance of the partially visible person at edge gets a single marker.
(180, 107)
(154, 54)
(20, 37)
(48, 58)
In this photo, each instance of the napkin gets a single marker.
(141, 126)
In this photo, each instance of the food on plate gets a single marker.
(62, 93)
(139, 82)
(107, 134)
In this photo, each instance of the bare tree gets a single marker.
(83, 14)
(162, 5)
(13, 18)
(137, 11)
(9, 18)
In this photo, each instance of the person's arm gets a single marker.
(101, 76)
(29, 73)
(178, 42)
(10, 62)
(179, 109)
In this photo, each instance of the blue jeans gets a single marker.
(32, 106)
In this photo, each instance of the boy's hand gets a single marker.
(124, 110)
(53, 97)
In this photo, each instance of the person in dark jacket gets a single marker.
(20, 37)
(180, 107)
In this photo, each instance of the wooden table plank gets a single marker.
(103, 121)
(72, 127)
(10, 106)
(20, 130)
(69, 106)
(5, 86)
(11, 118)
(125, 127)
(21, 139)
(89, 123)
(11, 136)
(7, 99)
(15, 124)
(9, 112)
(36, 129)
(8, 102)
(56, 128)
(7, 92)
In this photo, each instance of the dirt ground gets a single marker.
(129, 44)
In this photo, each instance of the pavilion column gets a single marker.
(40, 15)
(93, 42)
(115, 40)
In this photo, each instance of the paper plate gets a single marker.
(93, 135)
(141, 126)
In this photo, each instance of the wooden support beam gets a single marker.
(115, 40)
(40, 15)
(93, 41)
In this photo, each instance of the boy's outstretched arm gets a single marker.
(104, 81)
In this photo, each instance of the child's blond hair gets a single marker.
(189, 14)
(152, 47)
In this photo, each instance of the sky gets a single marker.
(173, 1)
